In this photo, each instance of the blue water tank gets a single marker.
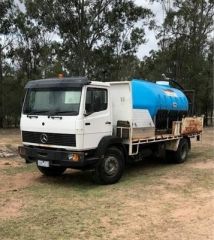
(154, 97)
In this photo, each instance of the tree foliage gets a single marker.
(100, 39)
(6, 28)
(89, 27)
(186, 50)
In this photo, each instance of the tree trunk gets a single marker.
(82, 35)
(1, 90)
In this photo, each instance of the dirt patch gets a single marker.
(191, 211)
(176, 181)
(167, 215)
(207, 137)
(185, 213)
(11, 208)
(10, 162)
(207, 164)
(17, 181)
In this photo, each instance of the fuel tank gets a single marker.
(155, 97)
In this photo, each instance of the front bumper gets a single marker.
(56, 157)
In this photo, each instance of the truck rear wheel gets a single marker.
(110, 169)
(180, 155)
(52, 171)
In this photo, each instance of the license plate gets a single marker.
(43, 163)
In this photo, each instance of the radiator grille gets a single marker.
(49, 138)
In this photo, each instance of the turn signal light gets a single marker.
(75, 157)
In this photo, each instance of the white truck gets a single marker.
(76, 123)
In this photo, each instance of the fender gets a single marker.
(107, 141)
(189, 142)
(173, 145)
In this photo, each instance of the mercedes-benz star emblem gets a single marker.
(44, 138)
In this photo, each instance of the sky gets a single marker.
(151, 43)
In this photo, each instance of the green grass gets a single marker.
(58, 210)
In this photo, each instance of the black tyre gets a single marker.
(180, 155)
(110, 169)
(52, 171)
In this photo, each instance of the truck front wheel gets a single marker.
(52, 171)
(110, 169)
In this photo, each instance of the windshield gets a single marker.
(52, 101)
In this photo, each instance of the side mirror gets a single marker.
(87, 113)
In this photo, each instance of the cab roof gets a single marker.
(68, 82)
(58, 82)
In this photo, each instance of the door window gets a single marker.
(96, 100)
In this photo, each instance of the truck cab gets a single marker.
(66, 123)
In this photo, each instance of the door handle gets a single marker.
(107, 122)
(87, 123)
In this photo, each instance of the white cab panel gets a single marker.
(97, 129)
(98, 124)
(121, 102)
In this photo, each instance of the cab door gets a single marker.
(97, 116)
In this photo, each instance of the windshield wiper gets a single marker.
(33, 114)
(30, 115)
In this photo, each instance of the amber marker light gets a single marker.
(75, 157)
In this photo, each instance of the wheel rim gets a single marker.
(184, 150)
(111, 165)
